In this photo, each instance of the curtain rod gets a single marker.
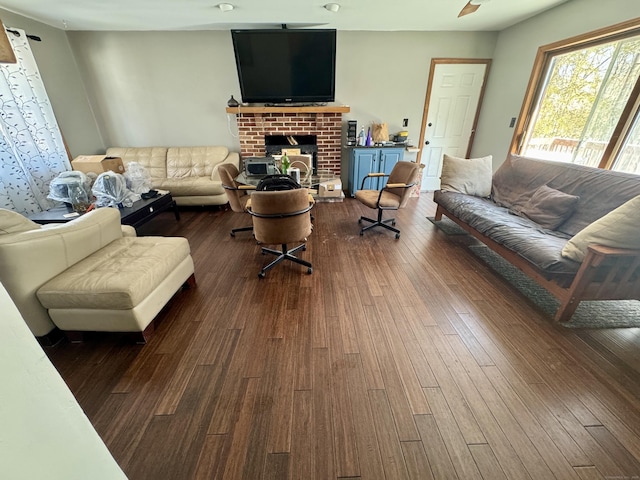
(17, 34)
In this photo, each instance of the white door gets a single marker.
(454, 100)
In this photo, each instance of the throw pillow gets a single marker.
(549, 207)
(619, 228)
(13, 222)
(471, 176)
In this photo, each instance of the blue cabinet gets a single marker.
(367, 160)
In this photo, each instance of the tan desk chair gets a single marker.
(238, 195)
(392, 196)
(282, 217)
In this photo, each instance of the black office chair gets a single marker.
(392, 196)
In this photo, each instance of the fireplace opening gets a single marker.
(273, 145)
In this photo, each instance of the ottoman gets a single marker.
(119, 288)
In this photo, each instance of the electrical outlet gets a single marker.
(405, 122)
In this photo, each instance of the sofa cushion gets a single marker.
(537, 245)
(467, 175)
(600, 191)
(118, 276)
(154, 159)
(194, 161)
(620, 228)
(13, 222)
(549, 207)
(191, 186)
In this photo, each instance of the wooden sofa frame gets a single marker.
(604, 274)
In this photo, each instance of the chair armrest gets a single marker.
(128, 231)
(246, 187)
(372, 175)
(396, 185)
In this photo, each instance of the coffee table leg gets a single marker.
(176, 212)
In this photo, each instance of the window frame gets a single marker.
(540, 69)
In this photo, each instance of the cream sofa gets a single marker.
(189, 173)
(90, 274)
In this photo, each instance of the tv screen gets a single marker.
(285, 66)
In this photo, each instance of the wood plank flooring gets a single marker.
(395, 359)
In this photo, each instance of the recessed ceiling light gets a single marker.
(225, 7)
(332, 7)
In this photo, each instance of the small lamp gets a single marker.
(332, 7)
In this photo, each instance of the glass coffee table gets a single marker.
(138, 214)
(324, 180)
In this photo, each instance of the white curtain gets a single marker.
(32, 151)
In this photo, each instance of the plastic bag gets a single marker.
(111, 190)
(77, 182)
(380, 132)
(138, 178)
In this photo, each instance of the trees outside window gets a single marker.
(582, 104)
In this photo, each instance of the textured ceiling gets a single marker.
(420, 15)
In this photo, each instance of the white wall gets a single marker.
(63, 82)
(171, 88)
(43, 431)
(513, 60)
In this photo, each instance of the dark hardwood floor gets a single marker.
(396, 359)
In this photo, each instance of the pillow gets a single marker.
(467, 175)
(549, 207)
(13, 222)
(619, 228)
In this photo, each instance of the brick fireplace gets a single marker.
(323, 123)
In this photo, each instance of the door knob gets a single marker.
(427, 142)
(429, 124)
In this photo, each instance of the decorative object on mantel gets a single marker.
(6, 51)
(232, 102)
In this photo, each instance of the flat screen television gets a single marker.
(285, 66)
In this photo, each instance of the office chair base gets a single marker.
(243, 229)
(379, 223)
(285, 255)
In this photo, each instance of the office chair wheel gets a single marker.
(361, 232)
(304, 248)
(397, 235)
(309, 270)
(261, 275)
(232, 234)
(393, 223)
(359, 221)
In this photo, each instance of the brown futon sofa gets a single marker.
(576, 196)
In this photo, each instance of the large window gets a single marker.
(582, 104)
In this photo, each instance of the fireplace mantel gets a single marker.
(323, 122)
(310, 109)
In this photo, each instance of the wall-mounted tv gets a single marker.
(286, 66)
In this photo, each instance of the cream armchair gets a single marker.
(90, 274)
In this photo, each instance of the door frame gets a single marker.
(425, 111)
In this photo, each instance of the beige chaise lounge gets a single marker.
(90, 274)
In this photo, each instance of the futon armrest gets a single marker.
(622, 252)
